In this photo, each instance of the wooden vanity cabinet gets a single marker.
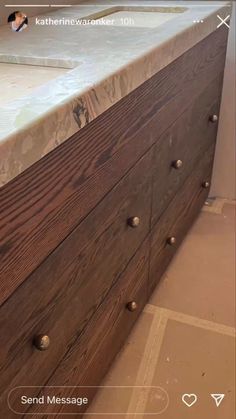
(87, 232)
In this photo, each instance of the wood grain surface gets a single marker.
(92, 353)
(178, 217)
(186, 140)
(61, 296)
(43, 205)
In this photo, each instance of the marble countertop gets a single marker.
(92, 67)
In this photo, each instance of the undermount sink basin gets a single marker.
(147, 17)
(20, 80)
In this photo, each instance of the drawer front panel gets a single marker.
(60, 297)
(184, 143)
(45, 203)
(178, 217)
(89, 358)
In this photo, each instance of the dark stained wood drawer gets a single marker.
(93, 351)
(60, 297)
(178, 217)
(185, 142)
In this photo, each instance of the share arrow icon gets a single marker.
(218, 398)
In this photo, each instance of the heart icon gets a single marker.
(189, 399)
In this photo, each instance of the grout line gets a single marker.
(148, 364)
(191, 320)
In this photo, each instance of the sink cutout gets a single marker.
(147, 17)
(20, 80)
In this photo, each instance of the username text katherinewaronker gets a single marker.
(67, 22)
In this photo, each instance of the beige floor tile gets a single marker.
(194, 360)
(200, 280)
(191, 360)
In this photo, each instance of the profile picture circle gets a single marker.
(18, 21)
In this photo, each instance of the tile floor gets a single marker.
(184, 341)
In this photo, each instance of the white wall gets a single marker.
(223, 182)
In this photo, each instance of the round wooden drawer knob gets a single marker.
(177, 164)
(132, 306)
(213, 118)
(41, 342)
(134, 222)
(171, 240)
(206, 184)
